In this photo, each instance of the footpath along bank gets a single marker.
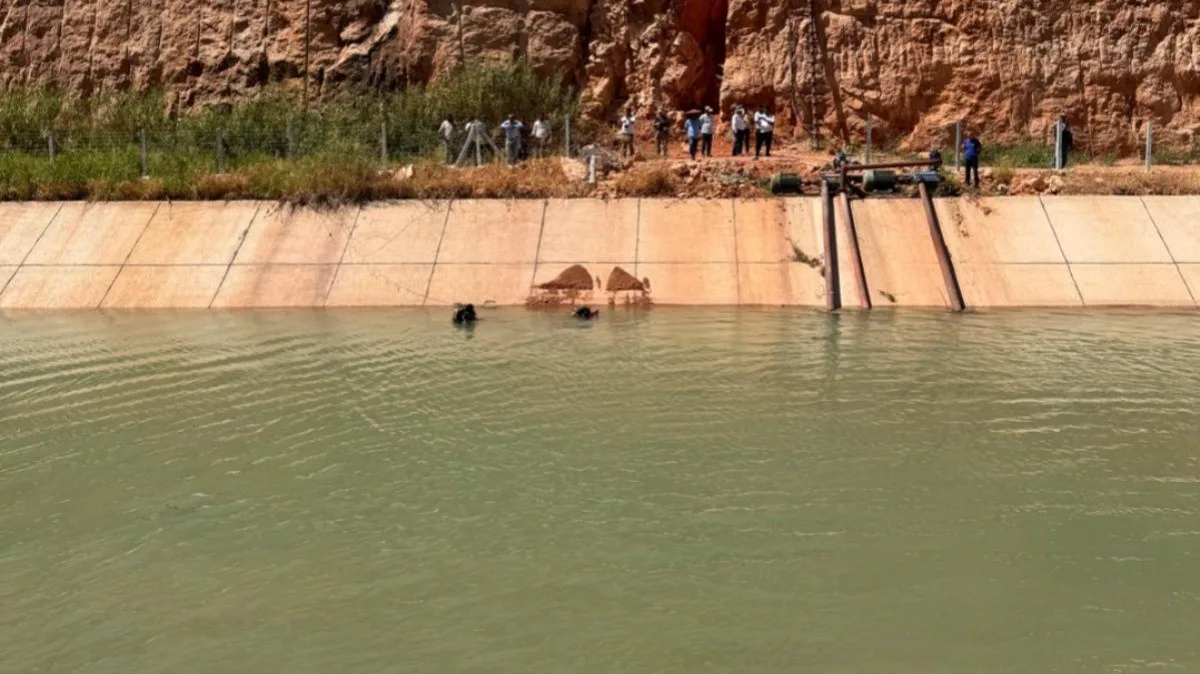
(1005, 252)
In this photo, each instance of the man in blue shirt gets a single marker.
(972, 148)
(692, 125)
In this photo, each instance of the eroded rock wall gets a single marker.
(1006, 66)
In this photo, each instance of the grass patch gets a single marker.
(1025, 154)
(338, 150)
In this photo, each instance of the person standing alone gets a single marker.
(972, 149)
(707, 125)
(662, 130)
(764, 122)
(627, 132)
(446, 131)
(512, 138)
(741, 132)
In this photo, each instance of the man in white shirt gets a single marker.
(627, 132)
(446, 131)
(741, 132)
(541, 136)
(512, 128)
(706, 131)
(765, 123)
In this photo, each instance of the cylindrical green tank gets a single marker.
(879, 181)
(785, 183)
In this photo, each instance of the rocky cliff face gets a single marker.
(1007, 67)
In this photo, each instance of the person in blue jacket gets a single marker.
(972, 148)
(692, 125)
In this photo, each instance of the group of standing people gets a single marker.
(513, 130)
(699, 127)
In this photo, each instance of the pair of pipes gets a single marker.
(833, 300)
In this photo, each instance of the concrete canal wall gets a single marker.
(1006, 252)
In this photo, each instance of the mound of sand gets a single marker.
(620, 280)
(575, 277)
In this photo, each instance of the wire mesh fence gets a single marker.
(219, 149)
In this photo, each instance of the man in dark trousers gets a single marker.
(972, 148)
(1068, 139)
(662, 130)
(764, 137)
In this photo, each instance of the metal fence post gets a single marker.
(567, 142)
(50, 144)
(383, 145)
(1058, 146)
(220, 152)
(1149, 144)
(868, 153)
(142, 152)
(957, 144)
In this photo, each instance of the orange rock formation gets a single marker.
(1006, 66)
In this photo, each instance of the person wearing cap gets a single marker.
(764, 123)
(512, 128)
(706, 131)
(627, 132)
(741, 132)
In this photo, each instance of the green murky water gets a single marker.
(674, 491)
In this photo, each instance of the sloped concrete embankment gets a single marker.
(1007, 252)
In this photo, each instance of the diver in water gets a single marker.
(464, 314)
(585, 313)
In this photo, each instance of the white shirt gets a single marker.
(627, 124)
(446, 129)
(512, 129)
(706, 124)
(541, 130)
(765, 122)
(739, 121)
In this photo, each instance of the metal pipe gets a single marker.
(833, 290)
(860, 277)
(953, 291)
(567, 142)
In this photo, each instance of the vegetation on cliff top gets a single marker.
(55, 147)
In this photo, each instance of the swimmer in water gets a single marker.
(464, 314)
(585, 313)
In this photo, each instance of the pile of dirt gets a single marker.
(620, 280)
(575, 277)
